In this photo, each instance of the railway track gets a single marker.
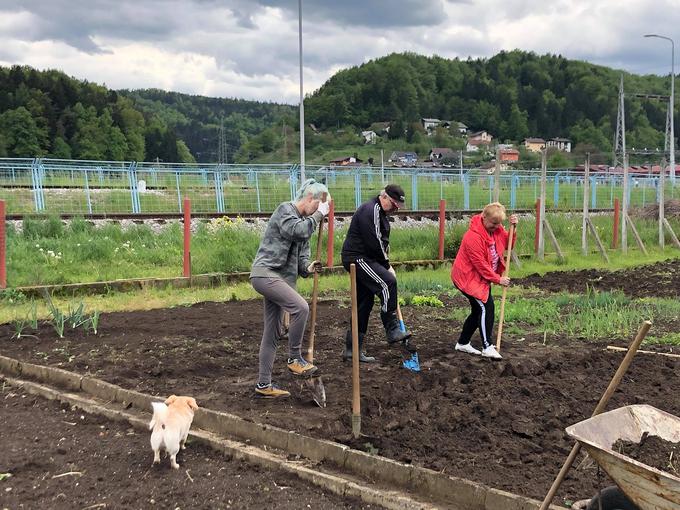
(401, 215)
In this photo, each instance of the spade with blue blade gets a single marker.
(413, 363)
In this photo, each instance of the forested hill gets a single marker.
(512, 95)
(47, 113)
(196, 119)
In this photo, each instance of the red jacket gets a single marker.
(472, 271)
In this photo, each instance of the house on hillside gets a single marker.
(477, 140)
(431, 125)
(439, 154)
(369, 136)
(345, 161)
(380, 128)
(462, 128)
(561, 144)
(508, 155)
(480, 136)
(403, 158)
(534, 144)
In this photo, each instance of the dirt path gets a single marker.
(65, 459)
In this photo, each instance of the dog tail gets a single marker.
(160, 411)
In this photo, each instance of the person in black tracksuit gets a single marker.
(367, 246)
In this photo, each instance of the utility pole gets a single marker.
(285, 141)
(620, 139)
(671, 105)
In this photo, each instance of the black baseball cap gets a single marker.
(396, 193)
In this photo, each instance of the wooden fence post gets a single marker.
(442, 227)
(615, 233)
(187, 238)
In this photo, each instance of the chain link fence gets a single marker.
(59, 187)
(42, 249)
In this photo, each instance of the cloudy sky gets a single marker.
(249, 48)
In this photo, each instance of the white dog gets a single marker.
(170, 426)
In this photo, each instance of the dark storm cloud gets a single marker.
(78, 22)
(375, 13)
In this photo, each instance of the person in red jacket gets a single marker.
(478, 264)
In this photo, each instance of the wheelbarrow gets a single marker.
(649, 488)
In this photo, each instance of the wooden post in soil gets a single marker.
(602, 404)
(356, 392)
(505, 289)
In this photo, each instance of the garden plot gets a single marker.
(499, 423)
(77, 460)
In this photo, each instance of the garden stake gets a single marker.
(620, 372)
(413, 363)
(356, 392)
(505, 289)
(315, 384)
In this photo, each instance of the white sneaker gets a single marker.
(467, 348)
(491, 352)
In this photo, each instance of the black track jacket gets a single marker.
(368, 236)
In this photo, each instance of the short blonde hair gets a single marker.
(495, 211)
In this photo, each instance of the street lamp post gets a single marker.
(302, 100)
(672, 107)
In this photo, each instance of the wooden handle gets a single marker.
(315, 295)
(506, 272)
(356, 392)
(620, 372)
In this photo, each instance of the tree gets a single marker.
(60, 149)
(22, 138)
(183, 153)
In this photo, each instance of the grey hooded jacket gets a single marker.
(284, 248)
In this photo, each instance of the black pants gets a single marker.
(373, 278)
(481, 317)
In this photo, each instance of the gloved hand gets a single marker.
(391, 270)
(315, 267)
(324, 207)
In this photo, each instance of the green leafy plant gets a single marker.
(94, 321)
(12, 296)
(33, 318)
(58, 318)
(19, 326)
(433, 301)
(58, 322)
(5, 476)
(76, 316)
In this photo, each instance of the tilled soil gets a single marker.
(499, 423)
(658, 280)
(653, 451)
(61, 458)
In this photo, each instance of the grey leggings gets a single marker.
(279, 297)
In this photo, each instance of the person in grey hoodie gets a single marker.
(283, 255)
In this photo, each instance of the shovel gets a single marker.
(505, 289)
(413, 363)
(315, 383)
